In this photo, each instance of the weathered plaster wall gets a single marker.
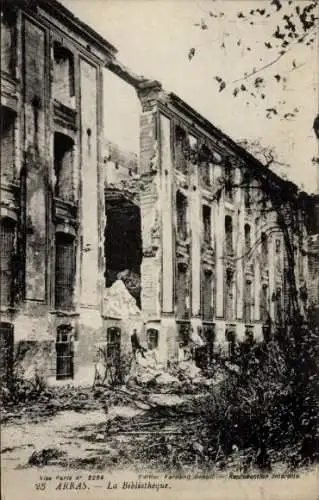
(35, 162)
(89, 168)
(149, 205)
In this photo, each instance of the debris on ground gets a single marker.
(46, 456)
(185, 377)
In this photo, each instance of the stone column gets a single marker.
(150, 199)
(157, 269)
(168, 325)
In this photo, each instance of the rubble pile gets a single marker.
(184, 377)
(118, 302)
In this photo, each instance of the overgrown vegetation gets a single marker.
(269, 402)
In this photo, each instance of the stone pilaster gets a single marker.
(166, 188)
(150, 198)
(151, 263)
(89, 174)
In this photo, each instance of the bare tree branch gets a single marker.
(274, 61)
(254, 72)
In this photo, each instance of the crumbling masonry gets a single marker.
(201, 263)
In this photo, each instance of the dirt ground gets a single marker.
(124, 434)
(123, 429)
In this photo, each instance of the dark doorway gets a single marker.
(152, 339)
(63, 166)
(7, 234)
(6, 353)
(123, 245)
(113, 352)
(64, 353)
(64, 271)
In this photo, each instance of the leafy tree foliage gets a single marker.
(293, 23)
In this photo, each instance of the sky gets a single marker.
(153, 38)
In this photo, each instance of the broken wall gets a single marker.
(123, 245)
(38, 211)
(121, 113)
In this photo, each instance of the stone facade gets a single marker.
(52, 198)
(188, 226)
(214, 261)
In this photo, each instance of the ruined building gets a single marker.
(180, 242)
(52, 199)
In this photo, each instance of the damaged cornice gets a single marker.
(151, 91)
(125, 73)
(65, 16)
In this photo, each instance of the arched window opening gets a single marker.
(229, 235)
(205, 168)
(182, 309)
(207, 224)
(229, 180)
(64, 352)
(152, 339)
(63, 167)
(247, 197)
(181, 213)
(63, 83)
(64, 271)
(278, 306)
(264, 305)
(247, 231)
(229, 295)
(7, 234)
(180, 145)
(207, 294)
(230, 335)
(264, 250)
